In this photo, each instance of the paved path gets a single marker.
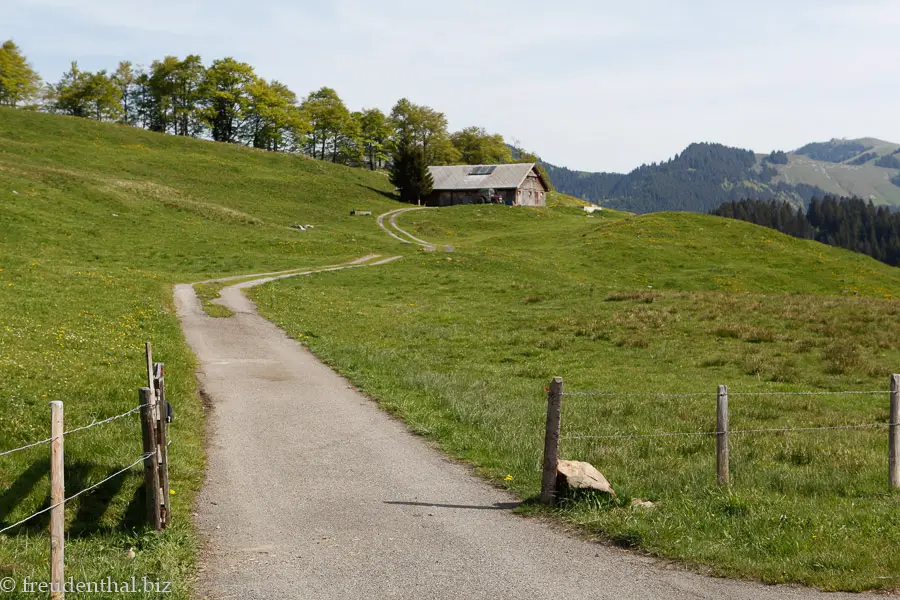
(312, 492)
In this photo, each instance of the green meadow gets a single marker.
(98, 222)
(463, 345)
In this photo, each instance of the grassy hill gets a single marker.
(97, 222)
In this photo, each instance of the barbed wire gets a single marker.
(26, 447)
(657, 395)
(77, 429)
(846, 393)
(730, 393)
(85, 490)
(732, 432)
(109, 420)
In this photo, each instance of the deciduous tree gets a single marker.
(227, 98)
(424, 127)
(329, 119)
(375, 131)
(19, 83)
(276, 122)
(125, 79)
(84, 94)
(477, 147)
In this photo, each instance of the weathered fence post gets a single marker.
(722, 436)
(551, 441)
(151, 466)
(159, 381)
(57, 497)
(894, 434)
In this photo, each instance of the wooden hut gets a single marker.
(517, 184)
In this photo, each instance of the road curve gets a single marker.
(313, 492)
(396, 232)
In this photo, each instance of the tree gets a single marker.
(375, 134)
(424, 127)
(275, 122)
(84, 94)
(477, 147)
(125, 79)
(329, 121)
(226, 97)
(19, 83)
(175, 94)
(103, 97)
(409, 172)
(187, 84)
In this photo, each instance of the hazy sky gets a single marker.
(592, 85)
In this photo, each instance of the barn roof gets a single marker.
(477, 177)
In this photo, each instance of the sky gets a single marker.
(594, 85)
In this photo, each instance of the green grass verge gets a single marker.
(207, 292)
(97, 222)
(462, 346)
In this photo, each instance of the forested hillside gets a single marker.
(705, 175)
(846, 222)
(699, 179)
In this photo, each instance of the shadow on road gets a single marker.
(494, 506)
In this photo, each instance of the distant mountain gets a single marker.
(705, 175)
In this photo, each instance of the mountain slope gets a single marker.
(865, 168)
(704, 176)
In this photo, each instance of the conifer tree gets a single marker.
(410, 173)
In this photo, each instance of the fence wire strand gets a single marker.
(85, 490)
(94, 424)
(715, 433)
(730, 393)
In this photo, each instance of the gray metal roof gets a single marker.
(459, 177)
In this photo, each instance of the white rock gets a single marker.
(575, 474)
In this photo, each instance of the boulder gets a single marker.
(578, 475)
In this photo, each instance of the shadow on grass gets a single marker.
(20, 489)
(92, 506)
(494, 506)
(388, 195)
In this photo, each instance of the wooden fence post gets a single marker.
(722, 436)
(57, 497)
(151, 466)
(894, 434)
(159, 381)
(551, 441)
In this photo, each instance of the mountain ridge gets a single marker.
(704, 175)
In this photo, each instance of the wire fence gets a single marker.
(73, 496)
(155, 413)
(95, 423)
(730, 393)
(715, 433)
(722, 432)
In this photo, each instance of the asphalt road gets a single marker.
(313, 492)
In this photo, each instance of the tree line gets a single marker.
(226, 101)
(848, 223)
